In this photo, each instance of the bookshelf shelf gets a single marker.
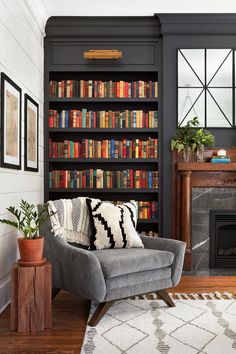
(104, 190)
(108, 161)
(105, 100)
(129, 77)
(104, 130)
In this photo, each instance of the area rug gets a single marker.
(137, 326)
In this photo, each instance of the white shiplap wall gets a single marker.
(21, 58)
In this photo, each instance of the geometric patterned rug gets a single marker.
(150, 327)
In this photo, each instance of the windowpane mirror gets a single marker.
(205, 87)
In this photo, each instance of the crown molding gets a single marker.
(197, 24)
(103, 26)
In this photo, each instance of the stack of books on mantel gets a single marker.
(220, 159)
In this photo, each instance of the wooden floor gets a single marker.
(70, 318)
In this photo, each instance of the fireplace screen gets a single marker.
(222, 238)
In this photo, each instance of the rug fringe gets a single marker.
(203, 296)
(216, 295)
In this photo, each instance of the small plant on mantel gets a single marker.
(28, 220)
(191, 138)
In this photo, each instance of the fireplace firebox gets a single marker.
(222, 239)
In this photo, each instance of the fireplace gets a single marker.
(185, 177)
(222, 239)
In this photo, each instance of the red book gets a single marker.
(118, 89)
(126, 89)
(148, 210)
(131, 175)
(71, 119)
(147, 120)
(51, 118)
(83, 179)
(114, 120)
(61, 179)
(54, 150)
(95, 119)
(51, 88)
(124, 148)
(140, 152)
(143, 119)
(71, 88)
(76, 149)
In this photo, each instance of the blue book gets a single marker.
(217, 159)
(149, 179)
(67, 119)
(112, 145)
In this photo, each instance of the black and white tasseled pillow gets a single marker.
(113, 226)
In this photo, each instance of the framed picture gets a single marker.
(31, 134)
(10, 123)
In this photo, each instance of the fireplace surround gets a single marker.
(185, 176)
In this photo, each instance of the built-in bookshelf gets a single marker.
(102, 135)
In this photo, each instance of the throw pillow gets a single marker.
(71, 221)
(113, 226)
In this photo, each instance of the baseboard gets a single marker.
(5, 293)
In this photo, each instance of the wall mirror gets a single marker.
(205, 87)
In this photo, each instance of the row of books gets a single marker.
(98, 178)
(146, 209)
(102, 119)
(89, 148)
(149, 233)
(102, 89)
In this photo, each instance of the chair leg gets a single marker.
(102, 308)
(166, 298)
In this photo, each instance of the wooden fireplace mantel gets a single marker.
(205, 166)
(196, 174)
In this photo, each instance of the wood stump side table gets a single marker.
(31, 298)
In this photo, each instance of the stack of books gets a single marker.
(220, 159)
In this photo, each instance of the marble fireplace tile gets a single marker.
(203, 200)
(200, 217)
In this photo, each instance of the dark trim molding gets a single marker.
(189, 24)
(98, 27)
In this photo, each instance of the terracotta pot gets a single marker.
(31, 251)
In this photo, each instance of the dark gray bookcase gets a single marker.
(139, 40)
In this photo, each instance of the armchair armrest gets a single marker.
(82, 271)
(174, 246)
(73, 269)
(78, 271)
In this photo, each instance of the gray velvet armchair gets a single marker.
(113, 274)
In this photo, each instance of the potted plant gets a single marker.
(189, 139)
(203, 138)
(28, 221)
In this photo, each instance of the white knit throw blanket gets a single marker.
(71, 220)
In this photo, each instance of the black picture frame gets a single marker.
(31, 115)
(10, 156)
